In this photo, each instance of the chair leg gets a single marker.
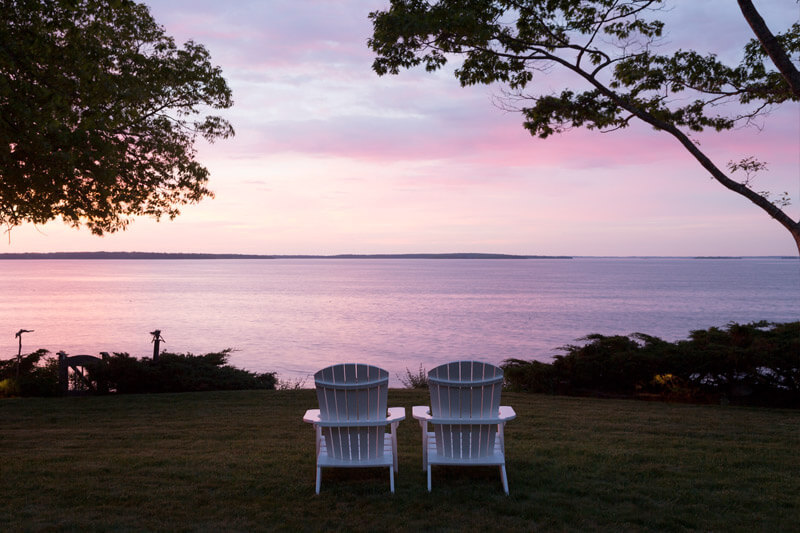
(424, 446)
(319, 478)
(394, 448)
(391, 479)
(504, 478)
(429, 477)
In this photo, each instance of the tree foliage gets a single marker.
(33, 374)
(610, 46)
(757, 363)
(176, 373)
(99, 113)
(36, 374)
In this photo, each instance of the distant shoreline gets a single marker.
(153, 255)
(198, 256)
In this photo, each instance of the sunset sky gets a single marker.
(329, 158)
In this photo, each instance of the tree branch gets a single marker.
(598, 26)
(774, 211)
(771, 46)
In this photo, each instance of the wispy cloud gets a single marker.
(331, 158)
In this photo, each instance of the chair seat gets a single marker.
(496, 458)
(387, 459)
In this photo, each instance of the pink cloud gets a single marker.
(322, 48)
(484, 140)
(329, 157)
(279, 34)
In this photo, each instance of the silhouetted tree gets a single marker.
(609, 46)
(99, 112)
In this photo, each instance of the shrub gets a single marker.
(176, 373)
(529, 376)
(291, 384)
(608, 365)
(30, 375)
(757, 364)
(125, 374)
(418, 380)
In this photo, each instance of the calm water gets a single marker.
(296, 316)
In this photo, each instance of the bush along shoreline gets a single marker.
(36, 374)
(754, 364)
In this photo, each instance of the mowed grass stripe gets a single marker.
(244, 461)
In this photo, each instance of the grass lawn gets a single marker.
(244, 461)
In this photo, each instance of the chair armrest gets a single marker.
(507, 413)
(421, 412)
(396, 414)
(312, 416)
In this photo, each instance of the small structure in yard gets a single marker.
(79, 365)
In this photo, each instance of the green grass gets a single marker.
(244, 461)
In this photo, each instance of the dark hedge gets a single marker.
(121, 373)
(753, 364)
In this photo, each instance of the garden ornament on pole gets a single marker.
(157, 339)
(19, 353)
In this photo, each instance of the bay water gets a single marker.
(295, 316)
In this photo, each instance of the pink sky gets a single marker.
(330, 158)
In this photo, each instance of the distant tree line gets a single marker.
(36, 374)
(750, 364)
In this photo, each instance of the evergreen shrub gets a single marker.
(754, 364)
(122, 373)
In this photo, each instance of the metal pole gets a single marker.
(19, 353)
(157, 338)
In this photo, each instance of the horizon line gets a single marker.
(135, 255)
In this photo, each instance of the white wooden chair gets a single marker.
(466, 416)
(352, 417)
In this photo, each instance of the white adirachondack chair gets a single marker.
(466, 416)
(352, 418)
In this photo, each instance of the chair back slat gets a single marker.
(465, 390)
(353, 392)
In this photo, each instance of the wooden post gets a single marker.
(19, 353)
(157, 338)
(63, 373)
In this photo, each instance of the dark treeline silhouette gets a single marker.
(156, 255)
(36, 374)
(751, 364)
(127, 255)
